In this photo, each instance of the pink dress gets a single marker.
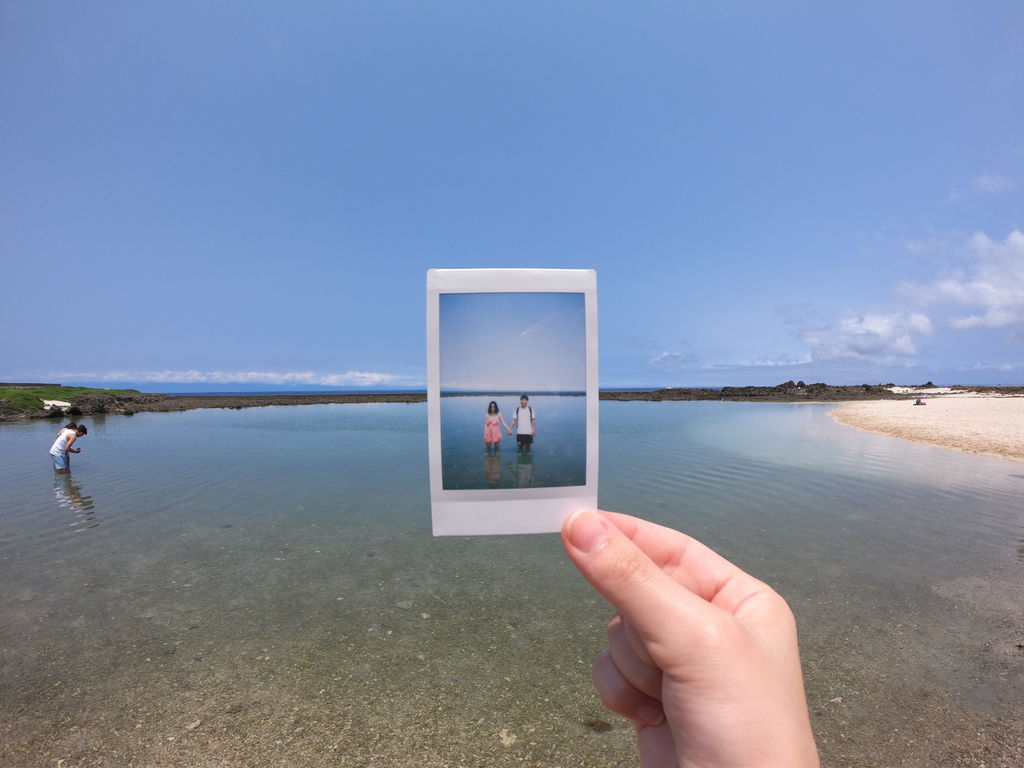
(492, 429)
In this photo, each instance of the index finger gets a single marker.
(698, 567)
(694, 565)
(658, 605)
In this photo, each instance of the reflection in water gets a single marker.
(899, 561)
(492, 469)
(562, 447)
(69, 495)
(522, 470)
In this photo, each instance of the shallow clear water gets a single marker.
(270, 573)
(556, 457)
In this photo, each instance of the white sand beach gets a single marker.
(983, 424)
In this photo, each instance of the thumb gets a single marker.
(655, 604)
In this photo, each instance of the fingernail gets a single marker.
(587, 531)
(648, 714)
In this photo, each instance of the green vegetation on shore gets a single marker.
(31, 398)
(24, 403)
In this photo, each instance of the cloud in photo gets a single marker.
(989, 290)
(985, 290)
(674, 360)
(993, 184)
(879, 336)
(274, 378)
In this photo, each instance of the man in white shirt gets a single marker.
(61, 449)
(524, 422)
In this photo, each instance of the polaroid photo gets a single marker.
(512, 398)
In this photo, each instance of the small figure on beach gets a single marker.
(62, 446)
(492, 428)
(525, 424)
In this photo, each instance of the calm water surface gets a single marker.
(558, 456)
(260, 587)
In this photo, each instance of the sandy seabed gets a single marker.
(986, 425)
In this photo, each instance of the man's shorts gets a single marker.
(524, 441)
(60, 460)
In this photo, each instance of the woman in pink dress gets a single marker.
(492, 428)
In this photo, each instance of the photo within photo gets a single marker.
(513, 379)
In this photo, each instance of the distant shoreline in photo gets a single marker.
(22, 403)
(510, 393)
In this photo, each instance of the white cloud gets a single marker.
(672, 360)
(992, 288)
(876, 336)
(993, 184)
(985, 184)
(766, 362)
(987, 291)
(308, 378)
(562, 322)
(927, 245)
(1002, 367)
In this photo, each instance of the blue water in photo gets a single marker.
(557, 456)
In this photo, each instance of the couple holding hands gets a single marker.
(524, 422)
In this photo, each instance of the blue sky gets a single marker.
(500, 342)
(220, 195)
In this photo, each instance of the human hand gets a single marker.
(702, 656)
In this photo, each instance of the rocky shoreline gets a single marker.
(129, 404)
(788, 392)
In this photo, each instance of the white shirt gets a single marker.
(523, 421)
(60, 445)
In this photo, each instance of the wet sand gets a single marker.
(980, 424)
(321, 666)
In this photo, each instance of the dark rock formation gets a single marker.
(787, 392)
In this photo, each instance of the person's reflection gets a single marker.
(69, 495)
(492, 469)
(522, 470)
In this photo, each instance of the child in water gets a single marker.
(492, 428)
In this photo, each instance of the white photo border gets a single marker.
(508, 510)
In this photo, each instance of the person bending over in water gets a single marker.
(702, 657)
(62, 446)
(492, 428)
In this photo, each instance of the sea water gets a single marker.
(260, 586)
(557, 455)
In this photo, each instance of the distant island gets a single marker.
(20, 402)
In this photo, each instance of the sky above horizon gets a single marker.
(240, 194)
(501, 342)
